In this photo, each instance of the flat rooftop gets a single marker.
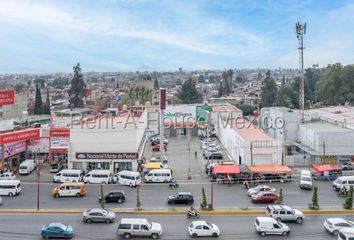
(249, 132)
(325, 127)
(343, 115)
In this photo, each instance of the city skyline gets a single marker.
(44, 37)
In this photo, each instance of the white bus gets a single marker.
(161, 175)
(129, 178)
(27, 166)
(68, 175)
(98, 176)
(10, 187)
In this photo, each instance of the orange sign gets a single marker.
(7, 97)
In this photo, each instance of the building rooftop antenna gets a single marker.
(300, 32)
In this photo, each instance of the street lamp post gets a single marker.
(212, 164)
(38, 173)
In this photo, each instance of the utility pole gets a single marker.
(38, 173)
(251, 148)
(324, 151)
(300, 32)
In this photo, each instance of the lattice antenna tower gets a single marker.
(300, 32)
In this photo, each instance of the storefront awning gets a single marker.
(269, 169)
(226, 169)
(326, 167)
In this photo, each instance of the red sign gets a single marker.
(7, 97)
(162, 98)
(60, 132)
(20, 136)
(59, 150)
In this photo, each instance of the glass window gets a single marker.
(205, 228)
(275, 225)
(198, 227)
(124, 226)
(136, 227)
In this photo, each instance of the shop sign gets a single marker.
(106, 155)
(60, 132)
(202, 113)
(20, 136)
(41, 145)
(59, 142)
(7, 97)
(14, 148)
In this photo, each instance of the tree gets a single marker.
(189, 93)
(102, 198)
(117, 86)
(46, 107)
(138, 203)
(280, 199)
(137, 94)
(19, 87)
(77, 90)
(239, 79)
(221, 90)
(156, 84)
(287, 97)
(230, 72)
(314, 204)
(204, 203)
(268, 91)
(246, 109)
(201, 79)
(225, 83)
(348, 204)
(38, 104)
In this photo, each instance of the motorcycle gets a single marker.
(193, 214)
(173, 184)
(342, 193)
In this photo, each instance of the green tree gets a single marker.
(348, 204)
(38, 104)
(246, 109)
(225, 83)
(19, 87)
(138, 203)
(204, 203)
(77, 90)
(287, 97)
(268, 91)
(201, 79)
(102, 197)
(221, 90)
(46, 107)
(156, 84)
(189, 93)
(137, 94)
(314, 204)
(280, 199)
(239, 79)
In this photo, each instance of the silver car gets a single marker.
(98, 215)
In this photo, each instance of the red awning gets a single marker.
(226, 169)
(325, 167)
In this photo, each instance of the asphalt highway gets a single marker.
(27, 226)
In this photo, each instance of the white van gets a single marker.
(305, 179)
(129, 178)
(343, 182)
(98, 176)
(10, 187)
(269, 226)
(346, 234)
(139, 227)
(27, 166)
(68, 175)
(159, 175)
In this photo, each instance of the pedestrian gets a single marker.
(195, 154)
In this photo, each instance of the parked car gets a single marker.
(209, 147)
(7, 176)
(181, 198)
(260, 188)
(151, 138)
(264, 197)
(56, 167)
(114, 196)
(269, 226)
(346, 164)
(346, 234)
(157, 159)
(98, 215)
(140, 227)
(203, 229)
(213, 155)
(156, 141)
(285, 213)
(57, 230)
(305, 179)
(334, 225)
(157, 148)
(0, 200)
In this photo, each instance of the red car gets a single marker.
(157, 148)
(264, 197)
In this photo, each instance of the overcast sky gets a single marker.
(123, 35)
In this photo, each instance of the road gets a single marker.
(155, 195)
(27, 226)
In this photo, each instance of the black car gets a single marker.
(114, 196)
(181, 198)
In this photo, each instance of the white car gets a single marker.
(7, 176)
(0, 200)
(157, 159)
(334, 225)
(260, 188)
(202, 229)
(269, 226)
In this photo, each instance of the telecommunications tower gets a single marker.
(300, 32)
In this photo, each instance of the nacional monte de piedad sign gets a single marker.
(106, 155)
(7, 97)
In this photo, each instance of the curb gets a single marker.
(178, 212)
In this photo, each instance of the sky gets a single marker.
(128, 35)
